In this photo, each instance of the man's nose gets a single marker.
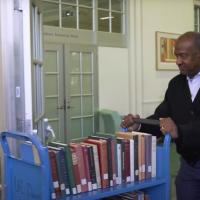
(178, 61)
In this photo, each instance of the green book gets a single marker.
(68, 164)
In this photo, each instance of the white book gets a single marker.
(153, 157)
(119, 164)
(132, 170)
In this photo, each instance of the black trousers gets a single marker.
(188, 181)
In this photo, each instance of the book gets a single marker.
(54, 172)
(69, 164)
(102, 151)
(135, 137)
(111, 148)
(119, 161)
(62, 170)
(78, 152)
(76, 169)
(92, 170)
(96, 163)
(86, 165)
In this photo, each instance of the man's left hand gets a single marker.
(167, 125)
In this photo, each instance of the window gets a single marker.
(197, 17)
(110, 15)
(100, 15)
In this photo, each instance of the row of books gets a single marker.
(101, 161)
(136, 195)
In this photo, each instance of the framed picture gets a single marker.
(165, 58)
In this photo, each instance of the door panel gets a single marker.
(81, 90)
(53, 88)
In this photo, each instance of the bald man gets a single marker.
(179, 115)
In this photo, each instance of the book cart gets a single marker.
(25, 180)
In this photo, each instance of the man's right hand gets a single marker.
(129, 122)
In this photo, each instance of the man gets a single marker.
(179, 115)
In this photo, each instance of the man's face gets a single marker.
(187, 57)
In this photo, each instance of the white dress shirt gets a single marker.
(194, 85)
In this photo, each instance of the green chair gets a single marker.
(109, 121)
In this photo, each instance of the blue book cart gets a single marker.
(25, 180)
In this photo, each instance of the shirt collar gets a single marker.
(196, 76)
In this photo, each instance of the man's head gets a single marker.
(187, 51)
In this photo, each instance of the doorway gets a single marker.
(70, 88)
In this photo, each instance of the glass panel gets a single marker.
(51, 85)
(75, 62)
(86, 62)
(87, 105)
(103, 4)
(103, 21)
(50, 61)
(75, 131)
(87, 126)
(50, 14)
(87, 84)
(75, 106)
(51, 105)
(69, 1)
(85, 3)
(116, 22)
(69, 16)
(117, 5)
(85, 18)
(75, 85)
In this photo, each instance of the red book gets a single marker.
(81, 166)
(102, 151)
(76, 169)
(86, 164)
(54, 172)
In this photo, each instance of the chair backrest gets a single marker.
(111, 121)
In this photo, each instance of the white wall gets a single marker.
(113, 81)
(173, 16)
(128, 80)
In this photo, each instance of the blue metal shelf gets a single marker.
(119, 189)
(25, 180)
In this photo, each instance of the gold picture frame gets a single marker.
(165, 58)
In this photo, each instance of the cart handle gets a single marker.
(23, 137)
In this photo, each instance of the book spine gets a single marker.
(65, 171)
(136, 165)
(127, 160)
(61, 172)
(110, 162)
(148, 156)
(69, 164)
(132, 171)
(54, 172)
(143, 157)
(76, 169)
(86, 165)
(153, 173)
(81, 168)
(114, 160)
(119, 161)
(92, 167)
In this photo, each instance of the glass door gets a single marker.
(54, 90)
(81, 90)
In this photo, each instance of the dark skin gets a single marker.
(188, 61)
